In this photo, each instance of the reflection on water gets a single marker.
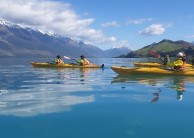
(175, 83)
(92, 103)
(27, 91)
(156, 96)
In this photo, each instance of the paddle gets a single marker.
(65, 57)
(69, 58)
(155, 54)
(76, 60)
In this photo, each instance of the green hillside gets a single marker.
(164, 47)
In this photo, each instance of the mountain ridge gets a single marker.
(27, 42)
(163, 47)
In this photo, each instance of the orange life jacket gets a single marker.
(85, 62)
(60, 61)
(183, 66)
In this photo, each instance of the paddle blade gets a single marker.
(155, 54)
(67, 57)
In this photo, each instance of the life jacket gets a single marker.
(85, 62)
(59, 61)
(182, 66)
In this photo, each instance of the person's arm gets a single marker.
(56, 61)
(79, 61)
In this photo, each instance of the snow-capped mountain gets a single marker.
(117, 51)
(8, 24)
(25, 41)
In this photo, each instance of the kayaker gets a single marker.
(58, 60)
(192, 60)
(82, 61)
(166, 59)
(179, 63)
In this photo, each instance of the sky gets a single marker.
(106, 23)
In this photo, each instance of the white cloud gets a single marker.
(122, 43)
(139, 21)
(32, 103)
(154, 29)
(110, 24)
(190, 36)
(51, 16)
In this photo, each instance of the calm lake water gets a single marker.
(92, 103)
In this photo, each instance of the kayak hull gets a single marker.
(152, 64)
(46, 64)
(147, 64)
(150, 71)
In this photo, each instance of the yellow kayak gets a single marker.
(46, 64)
(150, 71)
(152, 64)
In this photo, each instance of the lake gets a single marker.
(92, 103)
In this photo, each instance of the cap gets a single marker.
(82, 56)
(180, 54)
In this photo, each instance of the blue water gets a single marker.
(92, 103)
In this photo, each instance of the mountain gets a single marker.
(22, 42)
(114, 52)
(164, 47)
(192, 43)
(26, 42)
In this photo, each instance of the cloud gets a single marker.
(33, 103)
(110, 24)
(139, 21)
(121, 44)
(154, 29)
(50, 94)
(190, 36)
(51, 16)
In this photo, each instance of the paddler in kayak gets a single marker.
(179, 63)
(166, 59)
(58, 60)
(82, 61)
(192, 60)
